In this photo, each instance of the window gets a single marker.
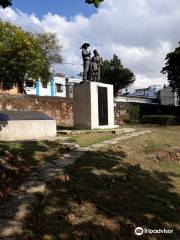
(44, 84)
(29, 84)
(59, 88)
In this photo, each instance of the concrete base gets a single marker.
(86, 106)
(27, 130)
(26, 125)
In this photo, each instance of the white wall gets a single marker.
(62, 81)
(28, 130)
(168, 98)
(66, 87)
(132, 99)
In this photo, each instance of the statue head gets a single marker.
(85, 46)
(96, 52)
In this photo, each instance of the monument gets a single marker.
(26, 125)
(93, 100)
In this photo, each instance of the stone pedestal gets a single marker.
(26, 125)
(93, 105)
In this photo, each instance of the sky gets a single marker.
(140, 32)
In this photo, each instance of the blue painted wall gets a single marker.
(37, 88)
(52, 87)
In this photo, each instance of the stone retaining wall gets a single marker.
(59, 108)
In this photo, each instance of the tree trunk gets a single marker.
(21, 87)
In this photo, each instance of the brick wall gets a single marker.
(59, 108)
(121, 114)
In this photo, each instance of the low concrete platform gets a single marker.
(116, 131)
(26, 125)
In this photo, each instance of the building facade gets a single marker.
(130, 99)
(11, 89)
(58, 86)
(169, 97)
(150, 92)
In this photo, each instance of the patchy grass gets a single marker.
(106, 194)
(18, 159)
(90, 138)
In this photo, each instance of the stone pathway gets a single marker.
(14, 210)
(113, 141)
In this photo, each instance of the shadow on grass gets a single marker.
(19, 159)
(102, 196)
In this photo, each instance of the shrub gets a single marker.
(133, 111)
(164, 120)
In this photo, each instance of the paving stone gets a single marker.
(11, 228)
(47, 165)
(55, 169)
(73, 155)
(71, 146)
(123, 130)
(131, 133)
(111, 142)
(33, 178)
(64, 162)
(99, 145)
(128, 130)
(47, 178)
(27, 198)
(33, 187)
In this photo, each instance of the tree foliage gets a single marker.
(7, 3)
(172, 69)
(95, 2)
(25, 56)
(113, 72)
(50, 47)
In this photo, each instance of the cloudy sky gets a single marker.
(140, 32)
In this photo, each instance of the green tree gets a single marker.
(113, 72)
(7, 3)
(50, 47)
(95, 2)
(172, 69)
(23, 56)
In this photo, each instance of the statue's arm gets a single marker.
(85, 53)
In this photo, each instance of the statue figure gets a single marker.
(86, 55)
(95, 67)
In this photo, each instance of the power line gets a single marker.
(72, 64)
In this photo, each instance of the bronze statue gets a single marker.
(91, 67)
(95, 67)
(86, 55)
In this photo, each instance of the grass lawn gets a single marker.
(106, 194)
(17, 160)
(89, 138)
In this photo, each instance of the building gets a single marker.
(169, 97)
(131, 99)
(11, 89)
(150, 92)
(59, 86)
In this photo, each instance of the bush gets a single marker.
(133, 111)
(164, 120)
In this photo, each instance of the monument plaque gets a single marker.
(103, 106)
